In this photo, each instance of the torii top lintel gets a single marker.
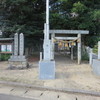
(69, 31)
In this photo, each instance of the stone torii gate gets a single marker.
(77, 32)
(47, 65)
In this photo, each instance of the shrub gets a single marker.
(5, 57)
(85, 57)
(95, 49)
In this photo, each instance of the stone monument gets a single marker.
(18, 59)
(46, 66)
(16, 44)
(21, 46)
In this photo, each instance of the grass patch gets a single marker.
(8, 79)
(95, 51)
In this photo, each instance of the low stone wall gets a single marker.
(96, 66)
(95, 61)
(91, 57)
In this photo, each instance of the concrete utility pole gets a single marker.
(46, 33)
(46, 66)
(47, 19)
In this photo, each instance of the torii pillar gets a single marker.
(79, 49)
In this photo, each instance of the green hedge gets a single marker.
(5, 57)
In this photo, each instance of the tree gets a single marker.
(86, 17)
(28, 16)
(23, 16)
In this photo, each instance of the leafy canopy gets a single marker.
(28, 17)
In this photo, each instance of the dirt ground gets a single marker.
(68, 75)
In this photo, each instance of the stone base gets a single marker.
(17, 62)
(46, 69)
(17, 65)
(17, 58)
(96, 66)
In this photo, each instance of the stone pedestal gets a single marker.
(46, 69)
(17, 62)
(17, 58)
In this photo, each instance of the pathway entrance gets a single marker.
(62, 35)
(59, 59)
(63, 60)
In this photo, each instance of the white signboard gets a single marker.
(9, 48)
(3, 48)
(6, 48)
